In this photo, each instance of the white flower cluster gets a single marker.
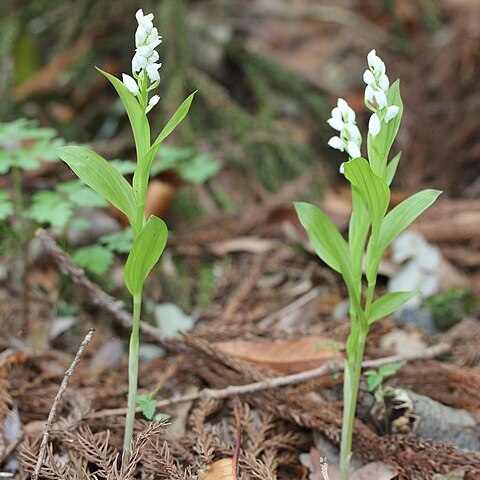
(145, 60)
(375, 94)
(349, 138)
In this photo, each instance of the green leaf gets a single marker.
(95, 259)
(403, 215)
(147, 404)
(146, 250)
(176, 118)
(391, 368)
(325, 238)
(392, 168)
(120, 242)
(389, 303)
(374, 190)
(199, 169)
(374, 379)
(6, 206)
(81, 195)
(125, 167)
(136, 115)
(98, 174)
(51, 208)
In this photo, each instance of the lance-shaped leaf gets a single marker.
(389, 303)
(176, 118)
(392, 168)
(146, 250)
(136, 115)
(372, 188)
(142, 174)
(98, 174)
(327, 241)
(403, 215)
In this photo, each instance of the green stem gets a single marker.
(351, 384)
(133, 372)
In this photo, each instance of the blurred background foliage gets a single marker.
(268, 73)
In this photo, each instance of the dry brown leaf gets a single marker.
(286, 356)
(242, 244)
(159, 197)
(222, 469)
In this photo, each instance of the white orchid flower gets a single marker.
(337, 143)
(349, 140)
(145, 61)
(375, 62)
(392, 112)
(374, 125)
(152, 102)
(130, 83)
(353, 150)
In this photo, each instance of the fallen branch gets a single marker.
(276, 382)
(53, 411)
(97, 296)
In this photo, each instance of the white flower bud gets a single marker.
(152, 102)
(383, 82)
(380, 98)
(140, 35)
(353, 150)
(353, 133)
(369, 97)
(375, 63)
(152, 71)
(336, 121)
(368, 77)
(337, 143)
(392, 112)
(342, 168)
(374, 125)
(347, 113)
(131, 84)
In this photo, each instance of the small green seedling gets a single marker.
(371, 228)
(150, 235)
(375, 378)
(148, 405)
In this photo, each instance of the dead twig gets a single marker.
(53, 411)
(97, 296)
(276, 382)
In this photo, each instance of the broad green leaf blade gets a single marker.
(327, 241)
(379, 147)
(392, 168)
(94, 258)
(98, 174)
(403, 215)
(372, 188)
(357, 234)
(136, 115)
(389, 303)
(146, 250)
(51, 208)
(176, 118)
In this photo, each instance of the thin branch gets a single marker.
(53, 411)
(97, 296)
(283, 381)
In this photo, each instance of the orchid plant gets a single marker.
(150, 235)
(371, 228)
